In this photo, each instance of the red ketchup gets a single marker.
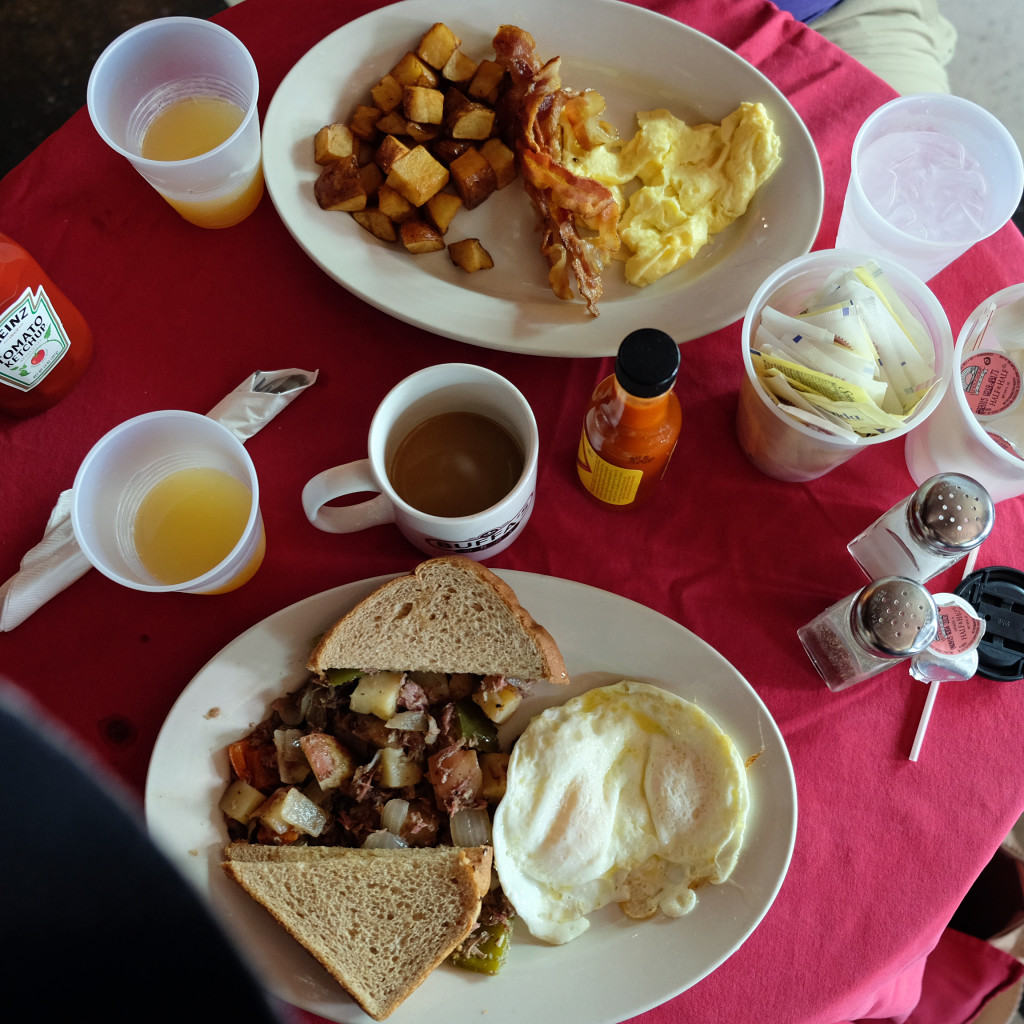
(45, 344)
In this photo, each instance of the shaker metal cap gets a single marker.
(951, 513)
(895, 616)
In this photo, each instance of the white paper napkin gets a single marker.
(57, 561)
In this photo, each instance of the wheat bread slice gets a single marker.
(450, 615)
(380, 921)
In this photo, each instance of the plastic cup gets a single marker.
(931, 175)
(777, 443)
(126, 464)
(953, 439)
(168, 61)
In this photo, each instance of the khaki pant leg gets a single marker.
(908, 43)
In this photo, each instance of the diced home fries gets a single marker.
(423, 147)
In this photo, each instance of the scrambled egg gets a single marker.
(693, 182)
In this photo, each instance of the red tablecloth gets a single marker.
(885, 848)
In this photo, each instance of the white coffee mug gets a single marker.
(448, 387)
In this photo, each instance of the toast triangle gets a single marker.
(380, 921)
(450, 615)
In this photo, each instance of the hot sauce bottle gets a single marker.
(45, 344)
(632, 424)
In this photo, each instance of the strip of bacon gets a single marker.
(529, 117)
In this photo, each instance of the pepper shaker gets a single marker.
(885, 622)
(927, 532)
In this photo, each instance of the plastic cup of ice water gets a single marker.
(176, 97)
(169, 501)
(931, 175)
(780, 445)
(954, 439)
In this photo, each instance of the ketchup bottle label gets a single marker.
(32, 340)
(608, 483)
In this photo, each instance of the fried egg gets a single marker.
(626, 793)
(689, 183)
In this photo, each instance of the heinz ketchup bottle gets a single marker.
(632, 423)
(45, 344)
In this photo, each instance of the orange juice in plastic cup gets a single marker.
(177, 98)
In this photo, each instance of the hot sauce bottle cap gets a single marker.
(647, 363)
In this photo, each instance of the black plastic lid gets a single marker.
(647, 363)
(997, 595)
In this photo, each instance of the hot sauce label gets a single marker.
(32, 340)
(608, 483)
(991, 383)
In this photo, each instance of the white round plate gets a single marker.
(637, 60)
(616, 969)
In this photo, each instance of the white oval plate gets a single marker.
(637, 60)
(616, 969)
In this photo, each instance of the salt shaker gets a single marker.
(887, 621)
(946, 517)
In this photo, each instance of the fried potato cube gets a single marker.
(339, 187)
(241, 801)
(411, 70)
(363, 123)
(390, 150)
(393, 122)
(332, 763)
(422, 132)
(372, 177)
(501, 159)
(398, 769)
(417, 175)
(446, 150)
(473, 121)
(394, 205)
(377, 694)
(459, 68)
(441, 208)
(484, 85)
(422, 104)
(470, 255)
(454, 101)
(473, 177)
(387, 93)
(499, 705)
(418, 236)
(333, 142)
(494, 769)
(376, 223)
(438, 44)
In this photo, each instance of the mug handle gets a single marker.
(333, 483)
